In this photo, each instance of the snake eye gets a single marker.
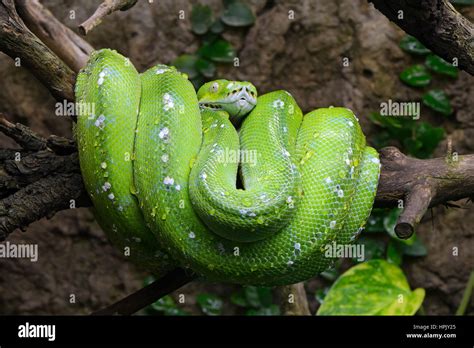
(214, 87)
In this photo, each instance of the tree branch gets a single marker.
(140, 299)
(437, 24)
(18, 41)
(293, 299)
(105, 8)
(71, 48)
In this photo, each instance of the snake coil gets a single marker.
(161, 173)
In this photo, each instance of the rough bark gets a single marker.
(437, 24)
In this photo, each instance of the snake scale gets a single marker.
(174, 182)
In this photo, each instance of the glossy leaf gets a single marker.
(238, 14)
(412, 45)
(219, 51)
(217, 27)
(206, 67)
(376, 287)
(210, 304)
(186, 63)
(437, 100)
(394, 252)
(167, 306)
(440, 66)
(416, 76)
(201, 19)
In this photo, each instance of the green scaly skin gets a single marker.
(313, 183)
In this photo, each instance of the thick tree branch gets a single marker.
(18, 41)
(69, 46)
(437, 24)
(293, 299)
(105, 8)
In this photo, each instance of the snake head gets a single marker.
(237, 98)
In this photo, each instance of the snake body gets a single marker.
(160, 163)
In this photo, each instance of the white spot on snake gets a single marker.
(375, 160)
(349, 151)
(297, 246)
(243, 212)
(289, 263)
(165, 158)
(289, 199)
(192, 235)
(100, 81)
(350, 123)
(168, 181)
(348, 162)
(286, 153)
(222, 125)
(120, 208)
(285, 129)
(164, 133)
(340, 193)
(328, 180)
(103, 165)
(178, 187)
(203, 176)
(279, 104)
(230, 85)
(252, 214)
(332, 224)
(168, 102)
(161, 71)
(100, 122)
(111, 196)
(106, 186)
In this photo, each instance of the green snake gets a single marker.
(237, 187)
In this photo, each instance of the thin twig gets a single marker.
(466, 298)
(149, 294)
(105, 8)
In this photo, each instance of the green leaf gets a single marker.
(201, 19)
(206, 67)
(238, 14)
(186, 63)
(440, 66)
(321, 294)
(416, 76)
(167, 306)
(376, 287)
(271, 310)
(462, 2)
(412, 45)
(390, 220)
(395, 252)
(375, 221)
(210, 304)
(428, 137)
(416, 248)
(373, 249)
(238, 298)
(437, 100)
(258, 296)
(219, 51)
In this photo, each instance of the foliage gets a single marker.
(376, 287)
(201, 65)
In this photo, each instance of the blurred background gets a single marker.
(341, 53)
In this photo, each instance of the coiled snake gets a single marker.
(174, 183)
